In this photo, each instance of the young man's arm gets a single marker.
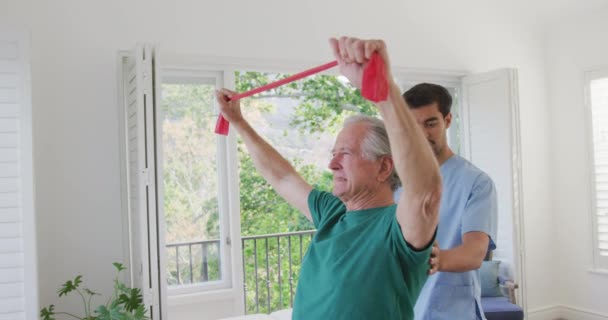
(272, 166)
(478, 227)
(467, 256)
(418, 207)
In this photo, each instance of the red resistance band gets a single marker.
(374, 86)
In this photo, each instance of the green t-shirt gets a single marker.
(358, 266)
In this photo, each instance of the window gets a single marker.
(195, 220)
(597, 94)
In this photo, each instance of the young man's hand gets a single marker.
(434, 261)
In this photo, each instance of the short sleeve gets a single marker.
(481, 209)
(322, 206)
(403, 250)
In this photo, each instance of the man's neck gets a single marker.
(379, 199)
(444, 155)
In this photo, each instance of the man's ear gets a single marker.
(448, 120)
(386, 168)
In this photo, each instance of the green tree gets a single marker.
(323, 99)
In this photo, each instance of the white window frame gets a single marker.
(599, 264)
(216, 79)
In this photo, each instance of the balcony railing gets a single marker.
(271, 265)
(193, 262)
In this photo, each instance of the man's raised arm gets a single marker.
(272, 166)
(418, 207)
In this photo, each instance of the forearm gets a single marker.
(267, 160)
(275, 169)
(459, 259)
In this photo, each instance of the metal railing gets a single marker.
(271, 265)
(206, 256)
(274, 261)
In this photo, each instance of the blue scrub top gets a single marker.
(468, 203)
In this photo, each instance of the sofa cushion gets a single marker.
(499, 308)
(488, 276)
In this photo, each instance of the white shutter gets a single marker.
(597, 95)
(18, 285)
(491, 142)
(145, 222)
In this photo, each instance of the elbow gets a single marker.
(476, 264)
(477, 258)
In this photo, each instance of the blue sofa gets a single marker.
(498, 292)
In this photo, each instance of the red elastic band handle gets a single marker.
(374, 85)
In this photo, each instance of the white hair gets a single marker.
(376, 143)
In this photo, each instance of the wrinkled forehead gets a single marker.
(350, 137)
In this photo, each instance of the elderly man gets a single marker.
(369, 256)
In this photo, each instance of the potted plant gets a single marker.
(124, 304)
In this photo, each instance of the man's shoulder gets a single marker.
(465, 168)
(323, 203)
(317, 195)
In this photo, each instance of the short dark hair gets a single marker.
(424, 94)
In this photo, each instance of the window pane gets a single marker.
(599, 110)
(190, 184)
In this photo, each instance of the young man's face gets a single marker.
(434, 126)
(353, 175)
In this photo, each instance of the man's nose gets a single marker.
(334, 163)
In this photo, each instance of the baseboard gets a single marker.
(564, 312)
(572, 313)
(544, 313)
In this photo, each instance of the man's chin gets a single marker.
(337, 193)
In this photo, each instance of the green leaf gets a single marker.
(48, 313)
(132, 301)
(112, 313)
(118, 266)
(140, 313)
(70, 286)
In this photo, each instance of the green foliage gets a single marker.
(324, 100)
(124, 304)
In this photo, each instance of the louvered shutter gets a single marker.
(598, 99)
(18, 285)
(147, 243)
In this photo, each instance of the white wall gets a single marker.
(572, 48)
(74, 45)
